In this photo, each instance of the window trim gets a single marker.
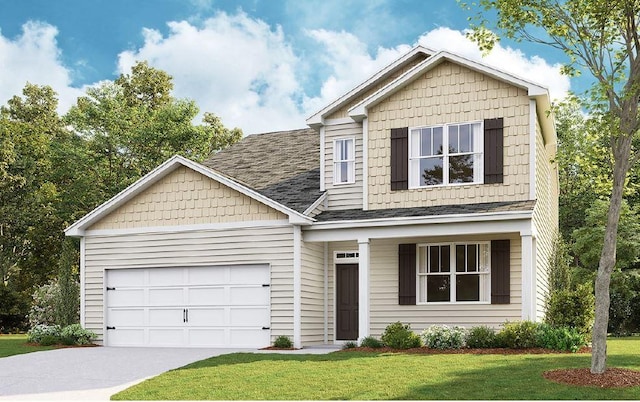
(350, 161)
(479, 152)
(453, 273)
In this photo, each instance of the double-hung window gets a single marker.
(445, 155)
(454, 272)
(344, 161)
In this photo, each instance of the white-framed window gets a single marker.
(445, 155)
(344, 160)
(454, 272)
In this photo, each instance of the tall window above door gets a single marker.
(448, 154)
(344, 157)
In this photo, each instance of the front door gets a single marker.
(347, 302)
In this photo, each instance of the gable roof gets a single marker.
(283, 166)
(317, 119)
(78, 228)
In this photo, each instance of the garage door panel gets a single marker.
(207, 296)
(166, 337)
(125, 277)
(211, 317)
(169, 317)
(125, 297)
(255, 273)
(166, 297)
(248, 337)
(126, 337)
(166, 276)
(208, 337)
(207, 275)
(126, 317)
(249, 317)
(248, 296)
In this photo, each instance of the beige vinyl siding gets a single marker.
(545, 217)
(312, 293)
(450, 93)
(186, 197)
(268, 245)
(384, 291)
(344, 110)
(343, 196)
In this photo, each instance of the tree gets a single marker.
(603, 39)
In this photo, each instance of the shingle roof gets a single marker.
(283, 165)
(359, 214)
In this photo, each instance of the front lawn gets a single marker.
(362, 376)
(17, 344)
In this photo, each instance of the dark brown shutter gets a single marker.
(399, 158)
(493, 150)
(407, 274)
(500, 271)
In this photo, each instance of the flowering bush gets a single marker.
(41, 331)
(74, 334)
(444, 337)
(43, 309)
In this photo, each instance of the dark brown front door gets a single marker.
(347, 301)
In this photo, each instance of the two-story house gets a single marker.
(426, 195)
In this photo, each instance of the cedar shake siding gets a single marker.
(450, 93)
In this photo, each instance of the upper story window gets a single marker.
(344, 159)
(445, 155)
(454, 272)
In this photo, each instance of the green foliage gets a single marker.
(67, 303)
(49, 340)
(518, 335)
(371, 342)
(400, 336)
(43, 307)
(481, 337)
(77, 335)
(444, 337)
(559, 265)
(283, 342)
(560, 338)
(572, 308)
(12, 307)
(350, 345)
(589, 238)
(39, 332)
(624, 313)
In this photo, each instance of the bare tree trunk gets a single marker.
(608, 258)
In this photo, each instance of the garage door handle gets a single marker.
(184, 315)
(187, 314)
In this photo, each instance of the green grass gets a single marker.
(368, 376)
(17, 344)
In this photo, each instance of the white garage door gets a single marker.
(225, 306)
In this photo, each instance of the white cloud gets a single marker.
(34, 57)
(534, 68)
(234, 66)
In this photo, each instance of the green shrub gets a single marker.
(37, 333)
(563, 338)
(350, 345)
(371, 342)
(68, 341)
(443, 337)
(283, 342)
(49, 340)
(77, 335)
(518, 335)
(624, 314)
(572, 308)
(400, 336)
(481, 337)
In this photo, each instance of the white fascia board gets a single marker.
(431, 225)
(359, 111)
(315, 204)
(77, 229)
(317, 119)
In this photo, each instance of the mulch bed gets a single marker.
(61, 346)
(611, 378)
(488, 351)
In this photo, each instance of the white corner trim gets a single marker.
(528, 278)
(359, 111)
(297, 287)
(533, 136)
(83, 292)
(325, 270)
(189, 228)
(323, 159)
(315, 204)
(77, 229)
(365, 164)
(364, 300)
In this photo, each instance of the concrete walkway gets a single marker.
(97, 373)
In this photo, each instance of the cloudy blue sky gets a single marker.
(262, 65)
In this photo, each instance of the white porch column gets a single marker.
(528, 277)
(297, 286)
(363, 289)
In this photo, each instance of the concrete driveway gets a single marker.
(93, 373)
